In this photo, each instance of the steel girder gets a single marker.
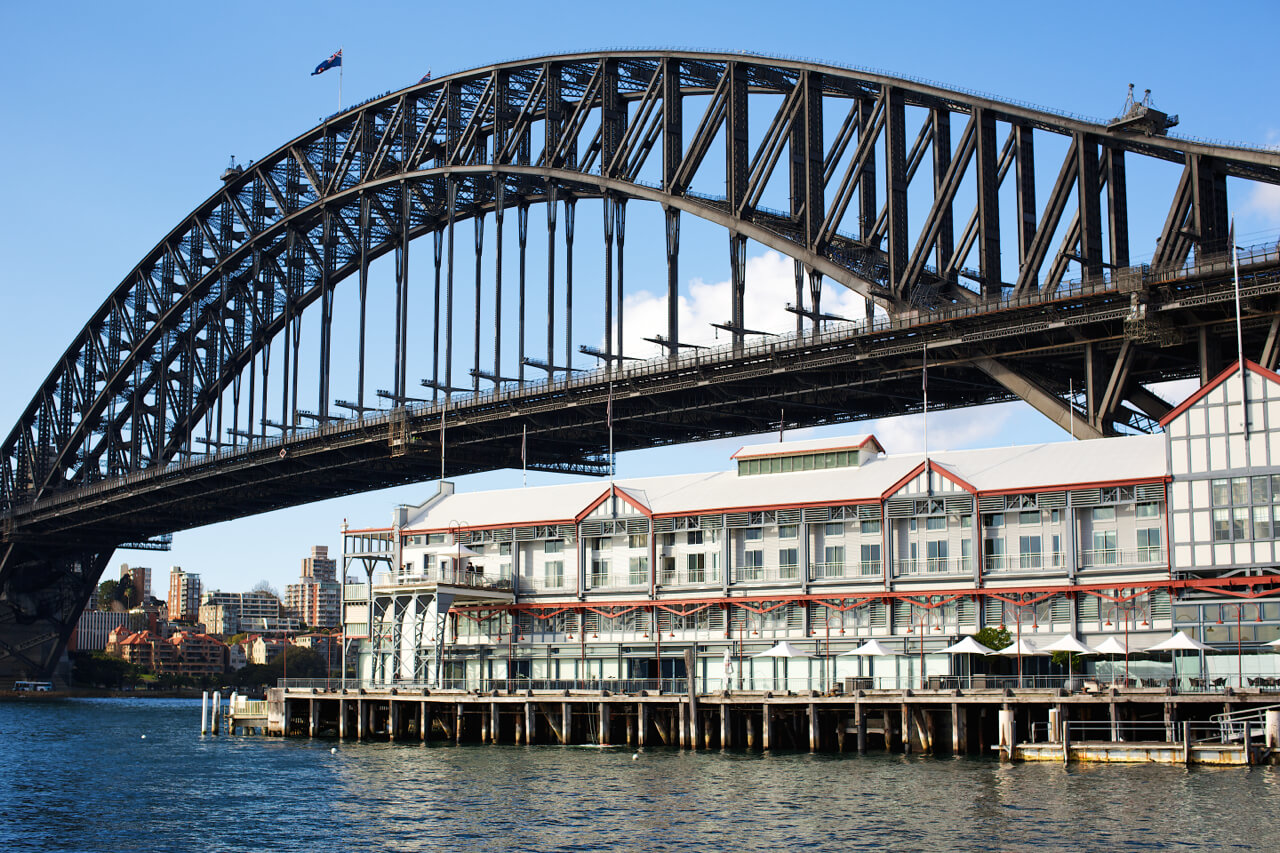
(194, 317)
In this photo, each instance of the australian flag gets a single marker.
(332, 62)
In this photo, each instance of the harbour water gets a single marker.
(136, 775)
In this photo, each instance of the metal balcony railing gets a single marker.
(934, 566)
(1098, 557)
(837, 571)
(688, 577)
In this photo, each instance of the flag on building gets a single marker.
(332, 62)
(426, 78)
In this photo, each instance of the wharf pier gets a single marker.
(1116, 724)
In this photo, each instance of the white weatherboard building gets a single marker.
(830, 543)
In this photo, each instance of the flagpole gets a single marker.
(524, 449)
(1244, 382)
(609, 417)
(340, 63)
(924, 385)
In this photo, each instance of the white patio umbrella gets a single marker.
(783, 650)
(967, 646)
(1020, 649)
(1068, 643)
(1115, 646)
(870, 649)
(1181, 641)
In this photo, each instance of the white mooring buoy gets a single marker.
(204, 712)
(333, 750)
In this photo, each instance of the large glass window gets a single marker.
(638, 570)
(599, 571)
(694, 537)
(752, 565)
(1029, 553)
(553, 573)
(752, 534)
(833, 528)
(869, 527)
(833, 557)
(1149, 544)
(788, 531)
(870, 559)
(788, 562)
(994, 550)
(1104, 513)
(638, 540)
(697, 567)
(553, 546)
(1029, 517)
(936, 555)
(935, 522)
(1104, 548)
(1147, 510)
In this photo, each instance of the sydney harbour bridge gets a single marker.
(988, 239)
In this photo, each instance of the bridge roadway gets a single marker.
(1083, 334)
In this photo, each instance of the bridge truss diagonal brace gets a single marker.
(1041, 400)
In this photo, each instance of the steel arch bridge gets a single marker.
(179, 403)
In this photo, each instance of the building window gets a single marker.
(1148, 510)
(638, 540)
(1057, 549)
(1104, 513)
(1149, 544)
(638, 570)
(504, 549)
(752, 565)
(935, 522)
(869, 527)
(870, 559)
(788, 563)
(697, 566)
(553, 546)
(599, 571)
(1029, 518)
(554, 573)
(995, 519)
(1104, 548)
(966, 554)
(752, 534)
(994, 549)
(936, 553)
(833, 528)
(966, 522)
(668, 567)
(668, 540)
(788, 531)
(1029, 554)
(693, 537)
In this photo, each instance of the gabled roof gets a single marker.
(1213, 383)
(812, 445)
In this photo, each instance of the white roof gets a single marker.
(1025, 468)
(779, 448)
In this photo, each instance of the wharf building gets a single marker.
(830, 543)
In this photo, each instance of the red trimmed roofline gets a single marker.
(933, 467)
(608, 493)
(1213, 383)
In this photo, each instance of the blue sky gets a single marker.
(120, 117)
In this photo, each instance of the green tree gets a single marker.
(106, 594)
(994, 638)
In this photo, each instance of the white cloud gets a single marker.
(771, 285)
(1264, 203)
(954, 429)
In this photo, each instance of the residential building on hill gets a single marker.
(184, 595)
(314, 599)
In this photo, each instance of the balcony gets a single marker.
(618, 580)
(689, 577)
(766, 574)
(933, 566)
(1017, 563)
(845, 571)
(1108, 557)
